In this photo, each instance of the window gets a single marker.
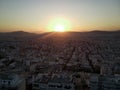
(4, 81)
(52, 85)
(8, 82)
(59, 86)
(41, 88)
(36, 85)
(67, 87)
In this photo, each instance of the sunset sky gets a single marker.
(40, 15)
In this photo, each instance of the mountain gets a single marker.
(96, 34)
(17, 35)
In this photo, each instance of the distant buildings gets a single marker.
(47, 64)
(11, 82)
(102, 82)
(55, 82)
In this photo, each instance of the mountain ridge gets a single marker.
(94, 31)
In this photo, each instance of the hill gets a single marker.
(96, 34)
(17, 35)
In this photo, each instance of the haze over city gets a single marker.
(59, 44)
(59, 15)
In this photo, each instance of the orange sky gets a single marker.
(76, 15)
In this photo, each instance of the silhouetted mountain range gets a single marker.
(23, 33)
(92, 35)
(17, 33)
(26, 35)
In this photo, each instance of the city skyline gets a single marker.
(76, 15)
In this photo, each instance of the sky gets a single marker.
(37, 15)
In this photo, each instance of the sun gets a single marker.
(59, 25)
(59, 28)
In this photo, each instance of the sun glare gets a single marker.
(59, 25)
(59, 28)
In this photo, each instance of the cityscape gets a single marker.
(60, 61)
(59, 44)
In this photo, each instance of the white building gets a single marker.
(56, 82)
(11, 82)
(101, 82)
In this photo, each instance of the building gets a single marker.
(11, 82)
(102, 82)
(54, 82)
